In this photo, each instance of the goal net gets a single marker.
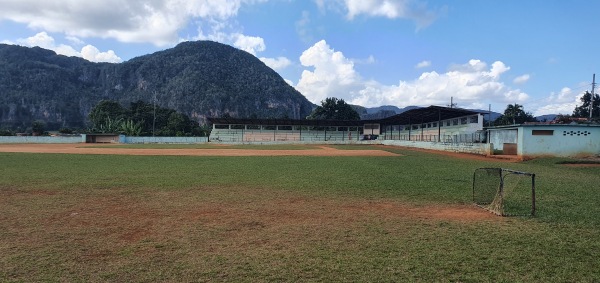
(504, 192)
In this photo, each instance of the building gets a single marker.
(432, 124)
(434, 127)
(534, 140)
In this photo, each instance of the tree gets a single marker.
(583, 111)
(514, 114)
(141, 119)
(130, 128)
(334, 109)
(38, 127)
(105, 114)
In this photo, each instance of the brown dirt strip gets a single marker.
(108, 149)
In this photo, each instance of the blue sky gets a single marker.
(540, 54)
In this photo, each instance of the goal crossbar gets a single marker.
(491, 191)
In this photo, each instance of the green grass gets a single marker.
(289, 218)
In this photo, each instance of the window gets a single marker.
(434, 125)
(371, 126)
(448, 123)
(542, 132)
(352, 128)
(284, 128)
(237, 127)
(343, 129)
(415, 127)
(221, 127)
(253, 127)
(474, 119)
(269, 128)
(463, 120)
(455, 122)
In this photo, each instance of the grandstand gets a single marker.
(433, 124)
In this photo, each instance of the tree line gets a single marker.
(142, 119)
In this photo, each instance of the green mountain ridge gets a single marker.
(200, 79)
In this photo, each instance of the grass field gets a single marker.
(68, 217)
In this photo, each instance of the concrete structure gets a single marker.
(162, 140)
(101, 138)
(434, 123)
(440, 128)
(529, 141)
(42, 139)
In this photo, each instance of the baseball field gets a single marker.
(300, 213)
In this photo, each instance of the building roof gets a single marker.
(288, 122)
(427, 115)
(413, 116)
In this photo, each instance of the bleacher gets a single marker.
(235, 135)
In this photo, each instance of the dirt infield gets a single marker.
(110, 149)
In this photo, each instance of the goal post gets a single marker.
(504, 192)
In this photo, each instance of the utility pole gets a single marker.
(489, 114)
(592, 98)
(452, 104)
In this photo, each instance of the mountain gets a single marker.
(200, 79)
(374, 113)
(546, 118)
(489, 116)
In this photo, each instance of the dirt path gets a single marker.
(110, 149)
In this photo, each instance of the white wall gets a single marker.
(501, 136)
(565, 140)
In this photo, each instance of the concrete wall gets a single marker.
(474, 148)
(501, 136)
(162, 140)
(558, 140)
(42, 139)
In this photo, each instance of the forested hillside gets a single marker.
(200, 79)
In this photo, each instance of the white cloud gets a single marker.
(302, 27)
(75, 40)
(250, 44)
(414, 10)
(521, 79)
(88, 52)
(156, 21)
(562, 102)
(92, 53)
(333, 74)
(423, 64)
(225, 33)
(276, 64)
(471, 85)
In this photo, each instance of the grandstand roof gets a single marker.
(413, 116)
(426, 115)
(290, 122)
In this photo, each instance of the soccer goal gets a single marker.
(504, 192)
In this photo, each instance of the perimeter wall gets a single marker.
(473, 148)
(162, 140)
(42, 139)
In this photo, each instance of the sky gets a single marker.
(541, 54)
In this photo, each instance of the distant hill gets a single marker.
(491, 116)
(380, 112)
(200, 79)
(546, 118)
